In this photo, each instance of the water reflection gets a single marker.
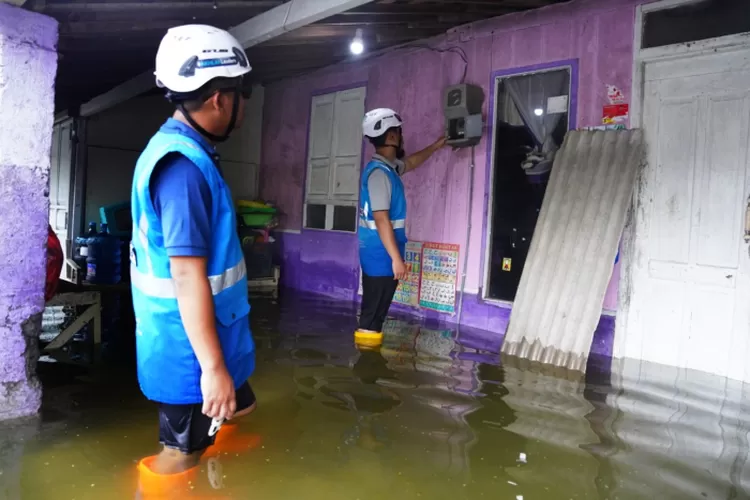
(426, 415)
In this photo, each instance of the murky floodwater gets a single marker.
(426, 417)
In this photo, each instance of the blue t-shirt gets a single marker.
(182, 199)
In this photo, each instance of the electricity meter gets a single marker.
(462, 108)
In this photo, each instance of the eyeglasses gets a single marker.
(245, 88)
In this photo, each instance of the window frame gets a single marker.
(644, 10)
(331, 200)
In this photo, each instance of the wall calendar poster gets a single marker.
(439, 275)
(408, 289)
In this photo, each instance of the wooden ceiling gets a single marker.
(104, 43)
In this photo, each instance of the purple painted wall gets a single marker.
(596, 33)
(28, 64)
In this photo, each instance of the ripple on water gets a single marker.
(432, 414)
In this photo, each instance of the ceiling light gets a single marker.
(358, 44)
(538, 111)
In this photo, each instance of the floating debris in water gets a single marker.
(522, 458)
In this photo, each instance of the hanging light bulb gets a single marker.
(358, 44)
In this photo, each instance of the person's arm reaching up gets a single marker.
(388, 237)
(182, 200)
(418, 158)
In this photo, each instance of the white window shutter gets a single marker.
(320, 156)
(347, 144)
(318, 177)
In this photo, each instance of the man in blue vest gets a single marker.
(189, 283)
(382, 219)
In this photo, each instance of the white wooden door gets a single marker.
(689, 303)
(61, 173)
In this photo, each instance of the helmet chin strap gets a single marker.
(399, 151)
(206, 133)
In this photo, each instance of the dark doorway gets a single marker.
(523, 158)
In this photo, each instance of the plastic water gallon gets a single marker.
(82, 250)
(103, 261)
(113, 253)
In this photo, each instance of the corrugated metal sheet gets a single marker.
(570, 262)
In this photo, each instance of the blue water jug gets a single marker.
(103, 262)
(93, 256)
(82, 250)
(112, 252)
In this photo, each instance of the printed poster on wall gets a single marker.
(408, 289)
(439, 275)
(616, 110)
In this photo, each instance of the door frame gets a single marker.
(642, 57)
(496, 78)
(685, 50)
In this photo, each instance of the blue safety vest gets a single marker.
(168, 370)
(373, 257)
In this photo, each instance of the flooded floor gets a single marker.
(434, 414)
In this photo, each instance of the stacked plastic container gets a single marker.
(255, 219)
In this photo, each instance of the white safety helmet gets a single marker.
(190, 56)
(378, 121)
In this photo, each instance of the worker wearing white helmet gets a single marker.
(189, 282)
(382, 218)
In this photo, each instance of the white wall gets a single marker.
(117, 136)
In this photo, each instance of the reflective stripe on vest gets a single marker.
(163, 288)
(370, 224)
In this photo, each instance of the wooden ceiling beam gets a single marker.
(114, 44)
(86, 6)
(518, 4)
(227, 16)
(424, 10)
(330, 33)
(130, 29)
(450, 16)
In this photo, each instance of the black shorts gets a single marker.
(185, 428)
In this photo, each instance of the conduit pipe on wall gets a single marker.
(466, 243)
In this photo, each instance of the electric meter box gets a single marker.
(462, 107)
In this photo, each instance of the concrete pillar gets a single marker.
(28, 64)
